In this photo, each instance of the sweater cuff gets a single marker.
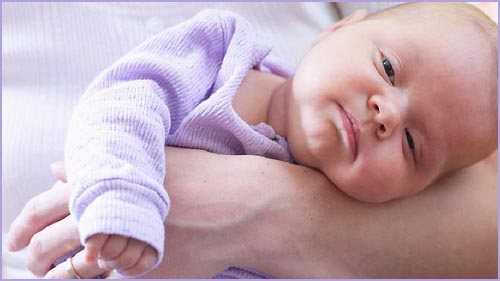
(109, 215)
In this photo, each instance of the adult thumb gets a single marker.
(59, 171)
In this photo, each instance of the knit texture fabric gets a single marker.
(174, 89)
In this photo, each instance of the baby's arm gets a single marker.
(116, 138)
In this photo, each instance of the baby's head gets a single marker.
(385, 104)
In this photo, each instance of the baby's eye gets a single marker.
(389, 70)
(409, 139)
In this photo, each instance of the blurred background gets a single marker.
(490, 8)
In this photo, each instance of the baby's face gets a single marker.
(383, 108)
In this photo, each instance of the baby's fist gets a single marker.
(93, 246)
(129, 255)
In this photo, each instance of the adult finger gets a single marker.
(145, 263)
(59, 171)
(80, 266)
(41, 211)
(94, 245)
(127, 258)
(53, 242)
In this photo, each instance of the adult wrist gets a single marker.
(252, 211)
(278, 196)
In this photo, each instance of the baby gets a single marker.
(383, 105)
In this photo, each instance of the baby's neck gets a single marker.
(261, 99)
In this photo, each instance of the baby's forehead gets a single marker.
(448, 50)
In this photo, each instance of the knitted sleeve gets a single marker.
(115, 145)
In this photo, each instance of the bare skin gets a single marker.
(289, 221)
(307, 229)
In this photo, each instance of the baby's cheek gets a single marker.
(378, 184)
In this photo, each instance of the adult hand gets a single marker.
(50, 232)
(45, 226)
(38, 213)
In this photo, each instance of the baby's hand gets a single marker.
(129, 255)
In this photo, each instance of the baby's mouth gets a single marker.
(351, 128)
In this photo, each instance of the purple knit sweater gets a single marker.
(175, 89)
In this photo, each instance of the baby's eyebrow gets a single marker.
(409, 56)
(401, 66)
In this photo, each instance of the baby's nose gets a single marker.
(387, 115)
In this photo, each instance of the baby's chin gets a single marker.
(367, 195)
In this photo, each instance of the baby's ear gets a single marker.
(355, 17)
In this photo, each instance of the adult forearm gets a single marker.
(289, 221)
(448, 231)
(216, 214)
(240, 211)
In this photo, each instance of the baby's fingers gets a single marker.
(145, 263)
(127, 258)
(113, 247)
(94, 245)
